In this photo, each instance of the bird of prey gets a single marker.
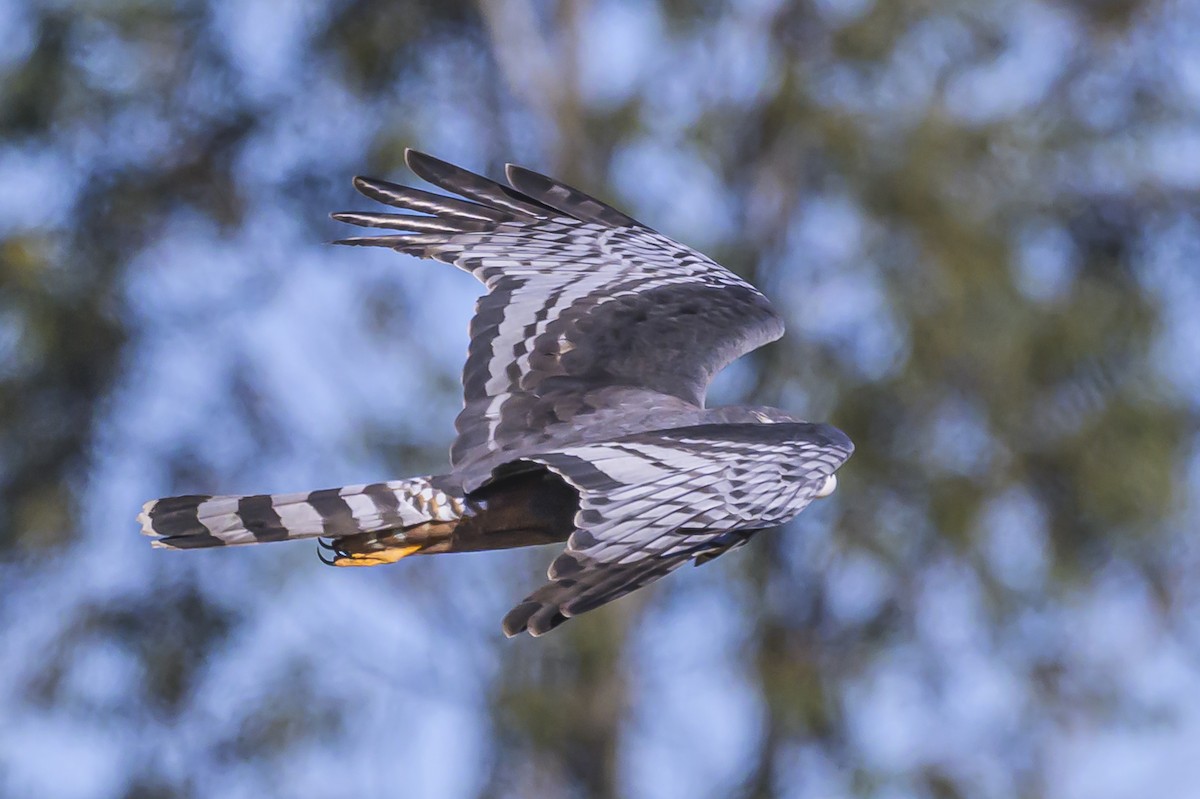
(583, 419)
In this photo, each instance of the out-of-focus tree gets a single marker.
(978, 220)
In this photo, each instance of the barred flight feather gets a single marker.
(426, 202)
(637, 522)
(581, 299)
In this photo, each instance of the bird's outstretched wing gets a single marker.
(591, 320)
(652, 501)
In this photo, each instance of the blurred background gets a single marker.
(981, 221)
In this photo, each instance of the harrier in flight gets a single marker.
(583, 418)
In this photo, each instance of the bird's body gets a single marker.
(583, 418)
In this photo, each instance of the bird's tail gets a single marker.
(368, 523)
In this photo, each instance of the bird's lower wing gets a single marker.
(651, 502)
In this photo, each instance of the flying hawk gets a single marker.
(584, 418)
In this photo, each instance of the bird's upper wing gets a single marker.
(650, 502)
(587, 310)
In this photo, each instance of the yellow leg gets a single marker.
(375, 558)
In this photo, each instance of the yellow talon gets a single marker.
(376, 558)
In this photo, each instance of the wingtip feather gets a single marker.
(424, 164)
(390, 242)
(381, 191)
(405, 223)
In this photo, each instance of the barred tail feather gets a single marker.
(195, 521)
